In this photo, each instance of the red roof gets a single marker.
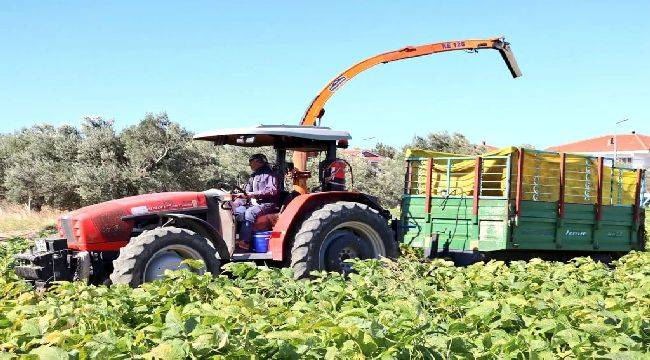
(488, 147)
(369, 155)
(605, 143)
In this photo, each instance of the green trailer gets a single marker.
(518, 203)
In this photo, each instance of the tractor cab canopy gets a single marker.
(286, 137)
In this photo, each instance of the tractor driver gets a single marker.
(262, 191)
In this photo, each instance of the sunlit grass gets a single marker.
(17, 220)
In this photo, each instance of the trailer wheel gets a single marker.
(146, 257)
(340, 231)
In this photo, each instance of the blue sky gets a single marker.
(223, 64)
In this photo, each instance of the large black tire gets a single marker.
(131, 266)
(340, 231)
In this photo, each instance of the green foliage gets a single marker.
(162, 157)
(384, 180)
(101, 163)
(234, 167)
(5, 154)
(66, 168)
(646, 229)
(384, 150)
(40, 165)
(443, 141)
(403, 309)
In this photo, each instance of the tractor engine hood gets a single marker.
(100, 227)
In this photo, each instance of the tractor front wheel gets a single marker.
(337, 232)
(146, 257)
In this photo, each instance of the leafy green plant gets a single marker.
(402, 309)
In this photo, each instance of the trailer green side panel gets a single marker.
(527, 200)
(540, 228)
(453, 221)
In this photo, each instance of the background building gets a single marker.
(631, 149)
(372, 157)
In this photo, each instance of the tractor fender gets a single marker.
(201, 227)
(302, 206)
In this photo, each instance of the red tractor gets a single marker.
(135, 239)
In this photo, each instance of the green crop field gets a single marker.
(403, 309)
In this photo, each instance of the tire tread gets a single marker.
(302, 251)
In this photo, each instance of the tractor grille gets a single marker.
(66, 224)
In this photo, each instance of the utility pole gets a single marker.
(616, 140)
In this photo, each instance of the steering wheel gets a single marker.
(227, 205)
(236, 187)
(241, 191)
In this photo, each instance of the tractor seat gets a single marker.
(265, 222)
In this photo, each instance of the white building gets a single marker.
(631, 149)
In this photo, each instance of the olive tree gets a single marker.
(101, 164)
(455, 143)
(5, 154)
(161, 156)
(40, 166)
(384, 179)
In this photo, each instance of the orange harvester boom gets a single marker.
(316, 110)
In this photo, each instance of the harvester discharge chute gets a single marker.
(316, 109)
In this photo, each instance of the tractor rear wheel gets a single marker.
(337, 232)
(146, 257)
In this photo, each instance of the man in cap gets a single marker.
(262, 191)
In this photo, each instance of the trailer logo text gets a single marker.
(575, 233)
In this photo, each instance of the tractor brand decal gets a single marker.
(337, 83)
(139, 210)
(145, 209)
(575, 233)
(172, 206)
